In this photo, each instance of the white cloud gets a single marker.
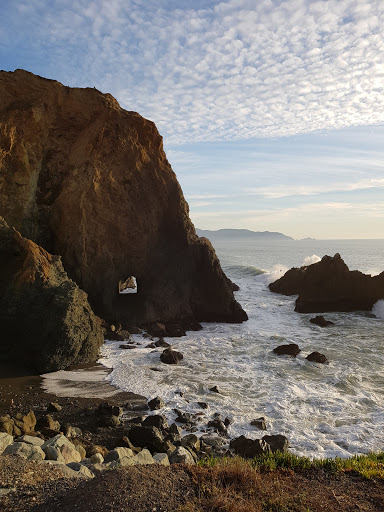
(237, 69)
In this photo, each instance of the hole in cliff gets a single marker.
(129, 285)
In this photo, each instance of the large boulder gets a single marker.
(90, 181)
(329, 285)
(41, 309)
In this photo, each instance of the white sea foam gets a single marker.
(324, 410)
(275, 273)
(378, 309)
(309, 260)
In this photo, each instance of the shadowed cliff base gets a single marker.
(89, 181)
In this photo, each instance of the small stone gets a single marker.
(214, 389)
(54, 407)
(277, 443)
(316, 357)
(321, 321)
(290, 349)
(170, 356)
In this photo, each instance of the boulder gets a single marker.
(7, 425)
(144, 457)
(47, 422)
(191, 441)
(81, 470)
(203, 405)
(97, 458)
(212, 440)
(277, 443)
(329, 285)
(316, 357)
(321, 321)
(5, 440)
(156, 403)
(161, 458)
(42, 308)
(36, 441)
(73, 165)
(290, 349)
(149, 437)
(72, 432)
(117, 454)
(218, 425)
(249, 448)
(25, 450)
(157, 420)
(170, 356)
(60, 449)
(260, 423)
(181, 456)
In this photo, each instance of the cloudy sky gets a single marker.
(272, 111)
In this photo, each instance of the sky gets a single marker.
(271, 111)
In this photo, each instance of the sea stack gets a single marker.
(89, 181)
(329, 285)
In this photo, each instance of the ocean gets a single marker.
(324, 410)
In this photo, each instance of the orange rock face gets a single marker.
(90, 181)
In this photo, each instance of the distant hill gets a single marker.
(241, 234)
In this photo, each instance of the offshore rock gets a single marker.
(41, 309)
(90, 181)
(329, 285)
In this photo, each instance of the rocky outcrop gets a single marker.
(89, 181)
(46, 320)
(329, 285)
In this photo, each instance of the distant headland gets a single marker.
(241, 234)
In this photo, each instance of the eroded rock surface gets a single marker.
(46, 320)
(90, 181)
(329, 285)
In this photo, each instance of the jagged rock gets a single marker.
(157, 420)
(191, 441)
(329, 285)
(149, 437)
(5, 440)
(277, 443)
(33, 440)
(321, 321)
(184, 417)
(25, 450)
(228, 421)
(287, 350)
(82, 451)
(109, 410)
(260, 423)
(218, 425)
(65, 150)
(66, 470)
(142, 458)
(181, 456)
(54, 407)
(109, 421)
(47, 422)
(72, 432)
(214, 389)
(235, 287)
(60, 449)
(203, 405)
(170, 356)
(249, 448)
(81, 470)
(39, 299)
(7, 425)
(97, 458)
(161, 458)
(118, 454)
(316, 357)
(25, 422)
(212, 440)
(156, 403)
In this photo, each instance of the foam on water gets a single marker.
(324, 410)
(378, 309)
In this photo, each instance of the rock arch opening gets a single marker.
(128, 285)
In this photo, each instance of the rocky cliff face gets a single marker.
(90, 181)
(46, 321)
(329, 285)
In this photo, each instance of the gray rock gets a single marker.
(59, 448)
(218, 426)
(67, 471)
(191, 441)
(278, 443)
(148, 437)
(81, 469)
(72, 432)
(96, 458)
(118, 454)
(181, 456)
(212, 440)
(260, 423)
(249, 448)
(156, 403)
(36, 441)
(27, 451)
(157, 420)
(5, 440)
(162, 459)
(143, 458)
(170, 356)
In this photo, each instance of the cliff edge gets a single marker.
(89, 181)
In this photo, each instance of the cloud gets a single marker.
(313, 189)
(235, 69)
